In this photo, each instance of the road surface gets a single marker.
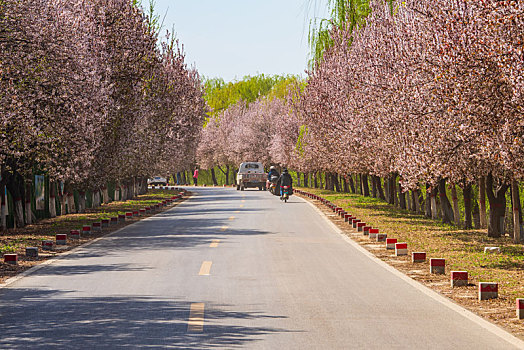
(229, 269)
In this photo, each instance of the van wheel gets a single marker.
(242, 188)
(238, 187)
(260, 188)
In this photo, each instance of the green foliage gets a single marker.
(220, 95)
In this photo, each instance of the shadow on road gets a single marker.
(59, 320)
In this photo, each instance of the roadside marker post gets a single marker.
(520, 308)
(11, 259)
(488, 290)
(61, 239)
(437, 266)
(31, 252)
(418, 257)
(459, 278)
(390, 243)
(401, 249)
(373, 232)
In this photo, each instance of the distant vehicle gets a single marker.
(157, 180)
(251, 174)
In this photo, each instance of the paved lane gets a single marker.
(228, 269)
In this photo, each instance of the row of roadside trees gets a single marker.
(89, 96)
(417, 97)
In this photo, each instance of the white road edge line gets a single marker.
(63, 255)
(493, 328)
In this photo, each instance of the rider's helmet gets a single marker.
(272, 167)
(284, 170)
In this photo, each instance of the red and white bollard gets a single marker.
(488, 290)
(401, 249)
(61, 239)
(382, 237)
(390, 243)
(437, 266)
(96, 227)
(360, 226)
(47, 245)
(31, 252)
(11, 259)
(366, 230)
(418, 257)
(459, 278)
(129, 216)
(355, 222)
(373, 232)
(114, 220)
(74, 234)
(105, 223)
(520, 308)
(86, 229)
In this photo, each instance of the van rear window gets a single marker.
(251, 166)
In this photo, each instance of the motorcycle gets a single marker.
(286, 192)
(273, 184)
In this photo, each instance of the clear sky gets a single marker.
(234, 38)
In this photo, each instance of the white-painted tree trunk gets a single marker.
(409, 202)
(434, 209)
(117, 194)
(71, 203)
(105, 195)
(52, 206)
(28, 213)
(96, 199)
(456, 210)
(516, 208)
(19, 213)
(124, 193)
(82, 202)
(63, 204)
(482, 202)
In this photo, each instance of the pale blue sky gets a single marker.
(234, 38)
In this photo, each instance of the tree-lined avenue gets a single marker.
(278, 276)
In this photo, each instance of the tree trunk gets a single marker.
(433, 199)
(482, 202)
(428, 201)
(227, 175)
(467, 191)
(373, 187)
(52, 199)
(497, 207)
(454, 198)
(315, 180)
(306, 176)
(346, 184)
(391, 189)
(365, 185)
(515, 200)
(409, 200)
(3, 209)
(445, 205)
(82, 202)
(401, 197)
(334, 178)
(71, 202)
(419, 200)
(28, 209)
(379, 188)
(184, 177)
(105, 194)
(214, 177)
(352, 184)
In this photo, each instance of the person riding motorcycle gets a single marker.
(272, 179)
(286, 180)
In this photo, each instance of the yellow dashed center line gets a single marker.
(241, 205)
(205, 268)
(223, 228)
(243, 200)
(195, 324)
(231, 218)
(237, 211)
(214, 243)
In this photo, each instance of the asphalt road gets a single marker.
(229, 269)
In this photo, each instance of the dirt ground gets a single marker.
(16, 240)
(501, 311)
